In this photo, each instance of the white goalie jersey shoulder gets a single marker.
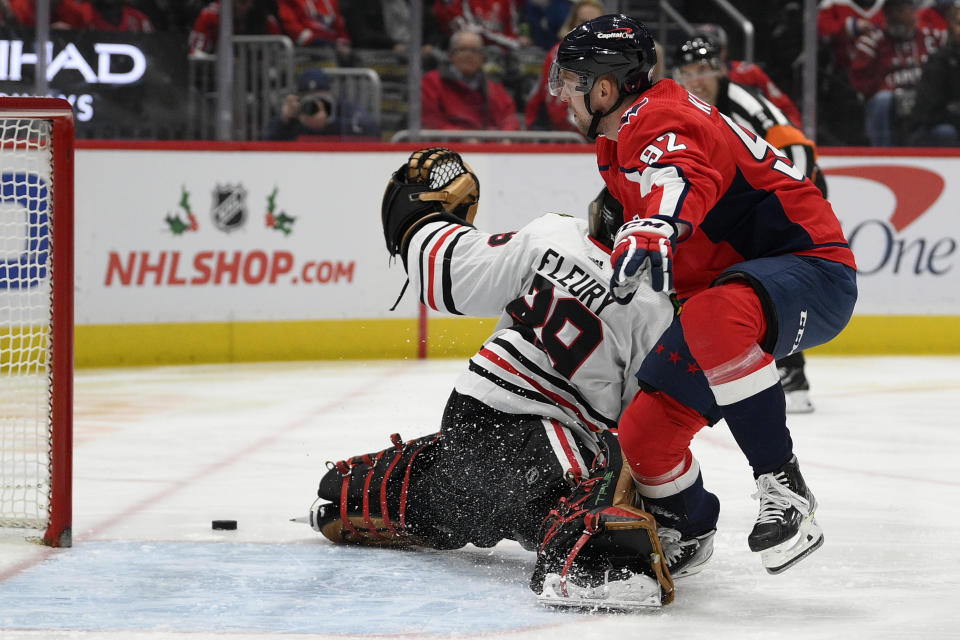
(461, 270)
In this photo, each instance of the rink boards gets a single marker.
(225, 252)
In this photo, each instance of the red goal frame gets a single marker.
(60, 113)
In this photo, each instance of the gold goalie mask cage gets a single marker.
(433, 183)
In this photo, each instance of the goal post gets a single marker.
(36, 316)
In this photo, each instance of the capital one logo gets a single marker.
(621, 33)
(886, 245)
(109, 55)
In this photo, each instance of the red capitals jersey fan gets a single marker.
(733, 196)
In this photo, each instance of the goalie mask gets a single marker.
(433, 184)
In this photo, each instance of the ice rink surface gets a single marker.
(160, 452)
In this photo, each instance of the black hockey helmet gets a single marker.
(612, 44)
(605, 217)
(698, 49)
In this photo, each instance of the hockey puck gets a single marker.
(228, 525)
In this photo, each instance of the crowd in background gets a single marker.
(888, 70)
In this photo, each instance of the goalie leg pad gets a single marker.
(487, 476)
(597, 537)
(363, 499)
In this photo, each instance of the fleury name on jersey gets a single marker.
(558, 329)
(565, 273)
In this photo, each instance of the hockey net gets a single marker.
(36, 316)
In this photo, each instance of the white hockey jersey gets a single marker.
(563, 347)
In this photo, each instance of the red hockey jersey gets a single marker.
(733, 195)
(881, 63)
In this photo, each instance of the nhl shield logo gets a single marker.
(229, 207)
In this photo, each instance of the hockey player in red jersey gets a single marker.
(756, 256)
(700, 70)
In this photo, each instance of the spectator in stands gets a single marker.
(385, 24)
(747, 73)
(839, 106)
(250, 17)
(936, 116)
(543, 111)
(14, 12)
(496, 20)
(459, 95)
(886, 67)
(314, 112)
(316, 23)
(841, 22)
(24, 13)
(544, 19)
(104, 15)
(172, 15)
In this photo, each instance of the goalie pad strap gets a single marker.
(589, 528)
(366, 497)
(406, 484)
(398, 443)
(344, 488)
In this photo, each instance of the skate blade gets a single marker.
(783, 556)
(799, 402)
(638, 593)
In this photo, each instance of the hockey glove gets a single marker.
(640, 246)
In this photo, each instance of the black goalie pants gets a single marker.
(491, 476)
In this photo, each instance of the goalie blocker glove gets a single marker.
(642, 245)
(433, 184)
(597, 550)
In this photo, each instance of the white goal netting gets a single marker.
(25, 321)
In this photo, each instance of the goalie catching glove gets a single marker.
(597, 550)
(434, 184)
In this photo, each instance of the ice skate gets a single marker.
(685, 557)
(786, 530)
(796, 389)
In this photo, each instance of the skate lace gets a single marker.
(674, 547)
(776, 497)
(670, 541)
